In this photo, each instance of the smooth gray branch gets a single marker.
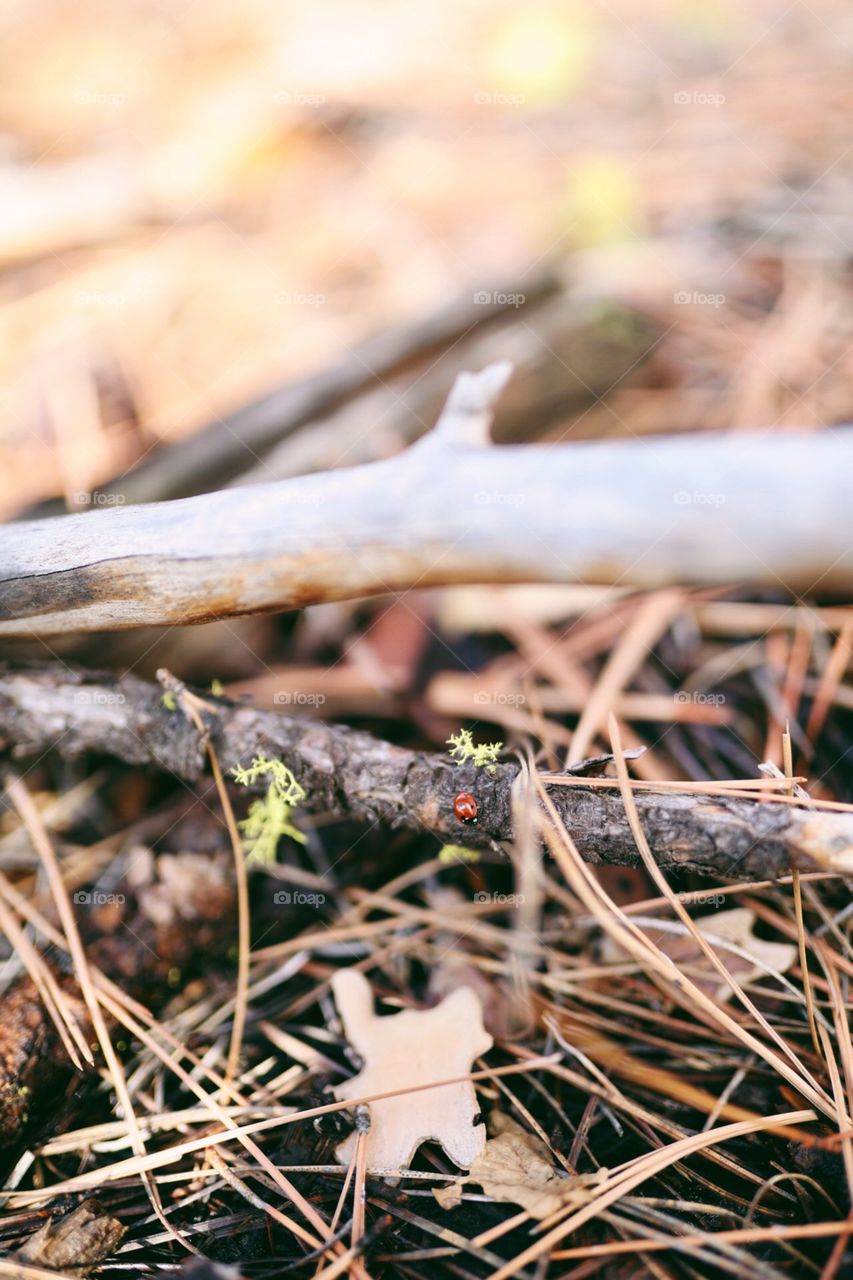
(694, 509)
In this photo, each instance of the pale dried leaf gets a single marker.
(730, 933)
(736, 926)
(402, 1051)
(181, 886)
(516, 1168)
(75, 1244)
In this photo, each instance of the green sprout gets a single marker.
(463, 749)
(271, 817)
(169, 701)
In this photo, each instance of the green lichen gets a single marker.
(169, 701)
(463, 749)
(457, 853)
(271, 817)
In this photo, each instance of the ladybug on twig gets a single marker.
(465, 807)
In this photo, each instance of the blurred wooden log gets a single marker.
(566, 352)
(704, 510)
(234, 443)
(49, 206)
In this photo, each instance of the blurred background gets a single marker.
(199, 202)
(242, 241)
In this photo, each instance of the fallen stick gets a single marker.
(697, 509)
(351, 774)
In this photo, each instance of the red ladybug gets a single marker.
(465, 807)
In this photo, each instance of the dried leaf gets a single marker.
(504, 1009)
(76, 1243)
(516, 1167)
(735, 928)
(408, 1049)
(180, 886)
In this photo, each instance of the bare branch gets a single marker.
(352, 774)
(696, 509)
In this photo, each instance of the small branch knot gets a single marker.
(467, 415)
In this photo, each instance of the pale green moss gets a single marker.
(463, 749)
(457, 853)
(271, 817)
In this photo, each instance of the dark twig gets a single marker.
(351, 774)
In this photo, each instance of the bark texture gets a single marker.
(352, 774)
